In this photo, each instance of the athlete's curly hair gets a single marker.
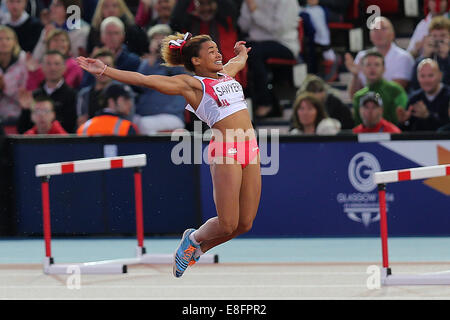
(183, 56)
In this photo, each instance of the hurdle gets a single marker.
(381, 179)
(136, 162)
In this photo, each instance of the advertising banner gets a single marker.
(309, 188)
(327, 189)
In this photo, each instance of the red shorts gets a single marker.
(243, 152)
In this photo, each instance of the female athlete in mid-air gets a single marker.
(217, 99)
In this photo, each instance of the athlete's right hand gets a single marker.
(240, 48)
(93, 66)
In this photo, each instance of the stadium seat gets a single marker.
(390, 7)
(275, 64)
(353, 14)
(289, 62)
(10, 129)
(426, 10)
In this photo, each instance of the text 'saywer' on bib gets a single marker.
(226, 91)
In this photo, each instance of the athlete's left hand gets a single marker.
(240, 48)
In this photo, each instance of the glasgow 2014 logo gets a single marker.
(362, 206)
(360, 171)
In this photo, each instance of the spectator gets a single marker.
(13, 75)
(59, 19)
(398, 62)
(157, 111)
(436, 47)
(111, 120)
(32, 7)
(371, 113)
(212, 17)
(56, 89)
(59, 40)
(417, 41)
(272, 27)
(112, 35)
(428, 106)
(92, 99)
(321, 58)
(43, 117)
(112, 31)
(135, 37)
(153, 12)
(309, 117)
(334, 107)
(392, 94)
(27, 28)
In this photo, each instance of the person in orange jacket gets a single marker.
(111, 120)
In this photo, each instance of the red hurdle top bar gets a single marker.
(52, 169)
(412, 174)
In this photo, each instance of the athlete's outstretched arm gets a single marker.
(237, 63)
(172, 85)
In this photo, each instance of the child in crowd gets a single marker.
(318, 41)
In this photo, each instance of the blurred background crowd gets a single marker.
(316, 66)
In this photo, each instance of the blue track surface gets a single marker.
(238, 250)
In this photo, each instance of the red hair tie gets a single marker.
(179, 43)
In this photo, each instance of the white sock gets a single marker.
(192, 238)
(198, 253)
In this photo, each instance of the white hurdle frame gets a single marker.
(381, 179)
(45, 171)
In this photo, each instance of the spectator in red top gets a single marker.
(43, 117)
(371, 112)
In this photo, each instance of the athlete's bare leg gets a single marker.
(249, 197)
(227, 179)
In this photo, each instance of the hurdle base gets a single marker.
(98, 267)
(168, 259)
(438, 278)
(116, 266)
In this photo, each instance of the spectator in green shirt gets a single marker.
(392, 94)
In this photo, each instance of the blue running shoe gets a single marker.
(193, 260)
(184, 253)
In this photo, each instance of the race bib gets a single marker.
(228, 92)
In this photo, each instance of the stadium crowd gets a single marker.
(44, 91)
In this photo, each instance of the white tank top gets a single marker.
(221, 97)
